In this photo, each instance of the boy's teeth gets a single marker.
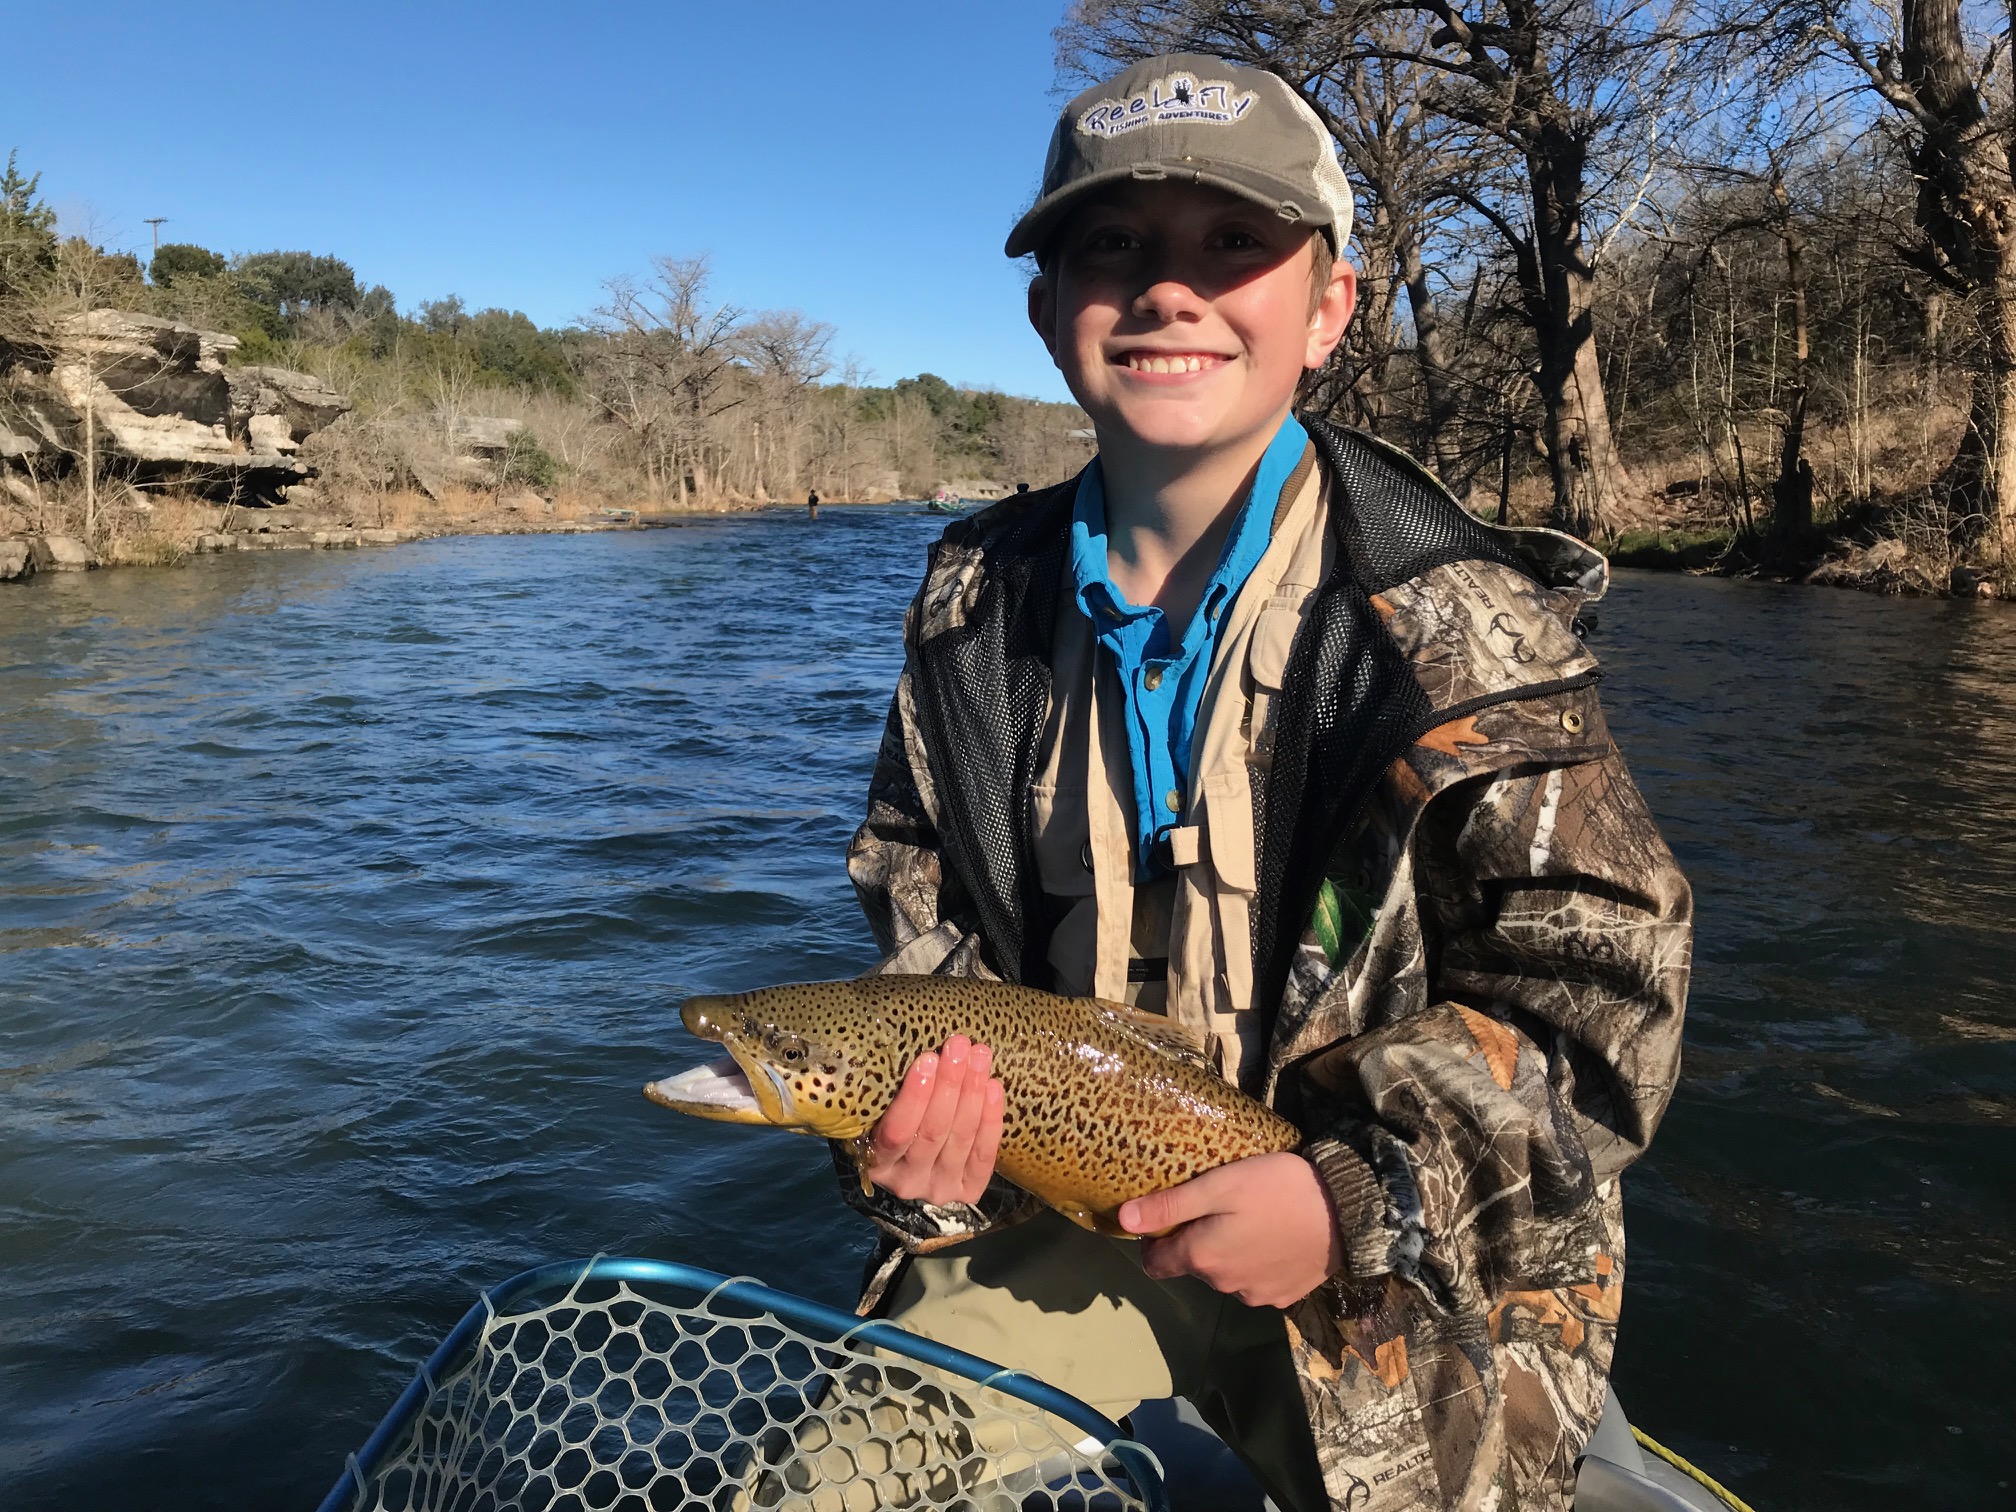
(1145, 364)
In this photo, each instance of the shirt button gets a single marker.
(1152, 679)
(1175, 801)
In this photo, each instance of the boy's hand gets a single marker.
(938, 1140)
(1261, 1229)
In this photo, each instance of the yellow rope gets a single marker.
(1692, 1472)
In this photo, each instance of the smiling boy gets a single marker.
(1251, 725)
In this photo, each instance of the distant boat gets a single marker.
(944, 501)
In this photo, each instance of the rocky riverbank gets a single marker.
(127, 439)
(202, 531)
(1925, 565)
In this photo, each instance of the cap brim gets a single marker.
(1267, 190)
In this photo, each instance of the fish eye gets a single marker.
(794, 1052)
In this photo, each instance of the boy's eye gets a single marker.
(1112, 239)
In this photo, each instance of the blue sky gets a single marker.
(859, 162)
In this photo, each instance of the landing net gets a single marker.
(639, 1386)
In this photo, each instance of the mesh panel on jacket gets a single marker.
(983, 691)
(1400, 522)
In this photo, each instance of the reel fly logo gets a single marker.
(1176, 98)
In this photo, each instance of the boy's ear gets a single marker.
(1043, 312)
(1332, 314)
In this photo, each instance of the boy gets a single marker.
(1251, 725)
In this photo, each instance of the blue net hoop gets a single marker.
(640, 1385)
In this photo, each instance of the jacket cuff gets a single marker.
(1360, 1203)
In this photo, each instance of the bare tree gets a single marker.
(785, 354)
(1577, 93)
(1941, 69)
(663, 367)
(68, 320)
(1765, 175)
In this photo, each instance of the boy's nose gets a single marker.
(1168, 297)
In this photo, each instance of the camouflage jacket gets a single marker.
(1474, 940)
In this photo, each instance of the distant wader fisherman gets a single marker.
(812, 504)
(1251, 725)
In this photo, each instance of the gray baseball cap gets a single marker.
(1195, 119)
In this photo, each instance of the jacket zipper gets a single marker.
(1471, 706)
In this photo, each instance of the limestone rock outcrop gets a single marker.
(477, 449)
(61, 554)
(157, 401)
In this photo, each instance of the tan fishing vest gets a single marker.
(1112, 933)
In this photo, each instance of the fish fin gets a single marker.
(1157, 1030)
(1079, 1214)
(1106, 1222)
(861, 1150)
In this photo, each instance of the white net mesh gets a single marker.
(611, 1398)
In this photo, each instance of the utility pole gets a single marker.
(156, 221)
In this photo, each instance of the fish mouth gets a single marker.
(719, 1090)
(734, 1088)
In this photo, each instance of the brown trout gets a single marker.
(1102, 1103)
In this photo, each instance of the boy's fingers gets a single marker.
(1162, 1259)
(1193, 1250)
(924, 1145)
(959, 1138)
(987, 1141)
(1178, 1204)
(898, 1126)
(944, 1105)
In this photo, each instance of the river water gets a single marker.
(343, 897)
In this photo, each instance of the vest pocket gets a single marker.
(1273, 637)
(1063, 839)
(1267, 663)
(1228, 826)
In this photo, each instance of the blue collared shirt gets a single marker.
(1162, 683)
